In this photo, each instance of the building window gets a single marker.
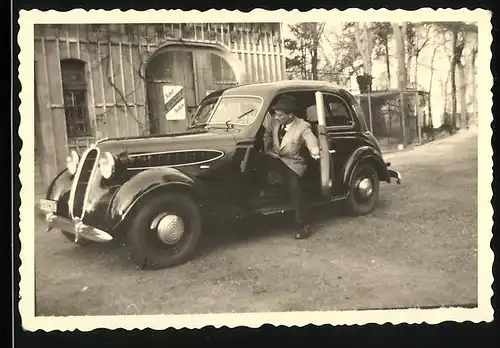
(75, 98)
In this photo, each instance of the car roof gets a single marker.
(263, 89)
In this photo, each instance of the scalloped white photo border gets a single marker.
(484, 312)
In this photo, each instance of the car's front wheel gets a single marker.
(364, 190)
(165, 230)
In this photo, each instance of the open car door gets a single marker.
(324, 149)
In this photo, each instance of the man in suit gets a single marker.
(284, 142)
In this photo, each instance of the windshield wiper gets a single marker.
(198, 125)
(239, 117)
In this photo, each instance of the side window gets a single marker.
(336, 111)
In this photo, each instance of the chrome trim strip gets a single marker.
(180, 165)
(76, 177)
(91, 180)
(176, 151)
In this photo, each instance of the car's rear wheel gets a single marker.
(364, 190)
(165, 231)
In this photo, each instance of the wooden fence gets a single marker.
(112, 101)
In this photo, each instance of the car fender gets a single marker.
(362, 155)
(140, 186)
(60, 185)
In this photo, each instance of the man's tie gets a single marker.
(281, 132)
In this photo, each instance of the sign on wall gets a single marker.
(175, 103)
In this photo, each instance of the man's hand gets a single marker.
(315, 153)
(272, 154)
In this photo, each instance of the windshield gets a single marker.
(203, 113)
(236, 110)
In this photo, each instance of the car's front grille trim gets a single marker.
(78, 194)
(174, 159)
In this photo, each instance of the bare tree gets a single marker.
(420, 40)
(364, 38)
(436, 48)
(382, 32)
(459, 32)
(305, 49)
(345, 60)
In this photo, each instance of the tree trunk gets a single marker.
(446, 119)
(400, 52)
(453, 81)
(364, 43)
(473, 80)
(430, 83)
(314, 62)
(387, 64)
(417, 102)
(464, 119)
(303, 66)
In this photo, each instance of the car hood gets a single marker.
(191, 140)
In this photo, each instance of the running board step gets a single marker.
(275, 209)
(283, 208)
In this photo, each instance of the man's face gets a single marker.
(282, 116)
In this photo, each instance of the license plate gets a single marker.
(48, 205)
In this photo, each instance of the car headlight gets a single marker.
(107, 165)
(72, 162)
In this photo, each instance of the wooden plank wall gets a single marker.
(115, 56)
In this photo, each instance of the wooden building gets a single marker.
(107, 80)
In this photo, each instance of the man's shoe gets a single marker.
(305, 232)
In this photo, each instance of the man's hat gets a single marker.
(286, 103)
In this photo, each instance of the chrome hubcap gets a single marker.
(365, 187)
(168, 227)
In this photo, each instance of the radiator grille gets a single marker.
(82, 181)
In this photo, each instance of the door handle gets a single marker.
(332, 151)
(203, 166)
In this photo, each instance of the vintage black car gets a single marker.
(157, 191)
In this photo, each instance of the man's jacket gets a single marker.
(290, 150)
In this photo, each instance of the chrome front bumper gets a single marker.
(78, 228)
(395, 174)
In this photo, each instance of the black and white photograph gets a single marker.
(185, 168)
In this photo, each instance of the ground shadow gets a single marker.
(224, 233)
(221, 233)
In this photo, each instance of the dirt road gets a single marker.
(417, 249)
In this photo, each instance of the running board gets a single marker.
(283, 208)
